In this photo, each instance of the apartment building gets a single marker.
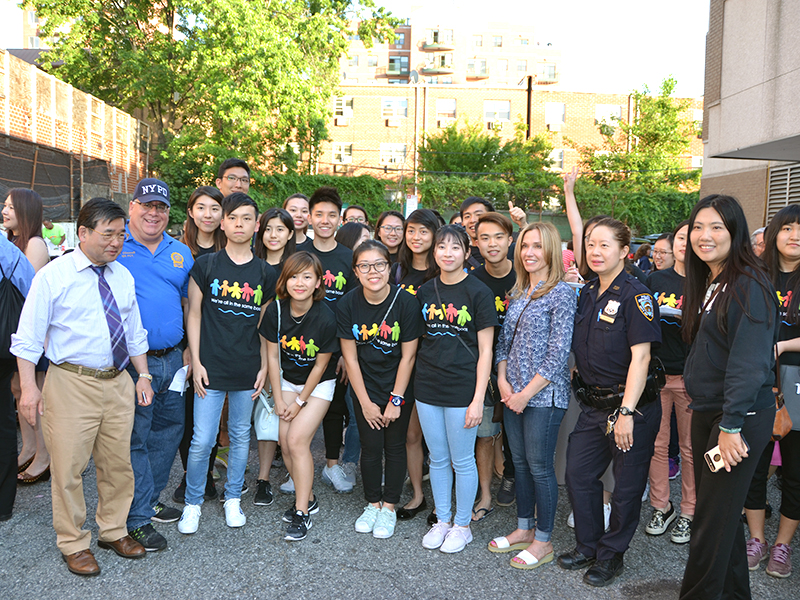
(376, 128)
(438, 47)
(751, 128)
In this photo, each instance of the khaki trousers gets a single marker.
(85, 417)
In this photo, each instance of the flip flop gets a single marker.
(530, 561)
(486, 513)
(502, 545)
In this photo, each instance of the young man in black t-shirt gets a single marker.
(472, 209)
(324, 208)
(227, 290)
(493, 232)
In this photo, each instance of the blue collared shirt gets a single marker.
(16, 266)
(162, 279)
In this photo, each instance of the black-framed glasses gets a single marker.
(390, 229)
(379, 267)
(110, 237)
(233, 179)
(159, 207)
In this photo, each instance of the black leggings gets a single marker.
(335, 421)
(8, 439)
(790, 468)
(377, 445)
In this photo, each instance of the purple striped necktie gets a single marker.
(119, 347)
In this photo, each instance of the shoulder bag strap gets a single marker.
(516, 325)
(278, 302)
(386, 316)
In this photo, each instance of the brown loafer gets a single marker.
(126, 547)
(82, 563)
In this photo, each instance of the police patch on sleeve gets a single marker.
(645, 304)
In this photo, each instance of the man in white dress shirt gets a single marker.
(83, 306)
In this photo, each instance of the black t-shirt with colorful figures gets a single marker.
(337, 271)
(230, 349)
(500, 289)
(379, 335)
(667, 288)
(412, 280)
(302, 339)
(787, 331)
(446, 372)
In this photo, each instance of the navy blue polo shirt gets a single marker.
(607, 326)
(162, 279)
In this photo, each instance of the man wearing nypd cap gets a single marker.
(160, 267)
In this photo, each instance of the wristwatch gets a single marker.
(396, 400)
(625, 411)
(146, 376)
(300, 403)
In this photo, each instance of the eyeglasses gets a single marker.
(662, 252)
(390, 229)
(355, 220)
(379, 267)
(159, 207)
(233, 179)
(110, 237)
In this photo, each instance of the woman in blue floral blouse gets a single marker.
(533, 378)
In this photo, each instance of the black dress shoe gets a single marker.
(574, 560)
(432, 519)
(604, 571)
(410, 513)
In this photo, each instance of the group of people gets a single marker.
(453, 340)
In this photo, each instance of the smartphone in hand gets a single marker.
(714, 457)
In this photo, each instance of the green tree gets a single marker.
(524, 166)
(454, 151)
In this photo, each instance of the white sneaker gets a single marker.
(607, 515)
(366, 522)
(571, 519)
(336, 477)
(234, 516)
(287, 487)
(190, 519)
(349, 472)
(456, 540)
(385, 524)
(435, 537)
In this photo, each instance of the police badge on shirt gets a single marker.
(609, 312)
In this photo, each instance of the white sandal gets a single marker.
(502, 545)
(530, 561)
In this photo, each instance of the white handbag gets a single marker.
(265, 420)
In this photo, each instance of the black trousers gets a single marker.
(588, 455)
(383, 446)
(790, 467)
(335, 421)
(717, 565)
(8, 440)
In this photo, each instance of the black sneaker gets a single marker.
(298, 528)
(313, 508)
(245, 489)
(165, 514)
(507, 492)
(179, 495)
(277, 461)
(211, 489)
(264, 495)
(148, 537)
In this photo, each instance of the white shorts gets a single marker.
(323, 390)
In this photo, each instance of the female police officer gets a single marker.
(616, 322)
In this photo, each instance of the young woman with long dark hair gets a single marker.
(730, 317)
(202, 233)
(389, 231)
(297, 206)
(275, 241)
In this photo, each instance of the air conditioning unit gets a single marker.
(346, 160)
(340, 169)
(393, 122)
(442, 123)
(341, 121)
(495, 125)
(554, 126)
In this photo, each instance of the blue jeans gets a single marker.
(207, 412)
(352, 441)
(449, 443)
(157, 432)
(532, 438)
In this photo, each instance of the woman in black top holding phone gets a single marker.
(730, 316)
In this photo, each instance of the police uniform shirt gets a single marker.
(606, 326)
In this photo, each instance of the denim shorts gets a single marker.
(323, 390)
(487, 428)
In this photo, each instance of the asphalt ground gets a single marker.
(334, 561)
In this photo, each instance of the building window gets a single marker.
(445, 108)
(783, 188)
(521, 41)
(342, 153)
(522, 66)
(502, 65)
(477, 40)
(398, 65)
(446, 80)
(393, 154)
(476, 66)
(497, 41)
(439, 36)
(555, 113)
(397, 81)
(399, 39)
(607, 114)
(548, 72)
(353, 61)
(442, 59)
(394, 107)
(372, 61)
(697, 162)
(343, 106)
(32, 18)
(497, 110)
(33, 41)
(557, 158)
(353, 37)
(431, 80)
